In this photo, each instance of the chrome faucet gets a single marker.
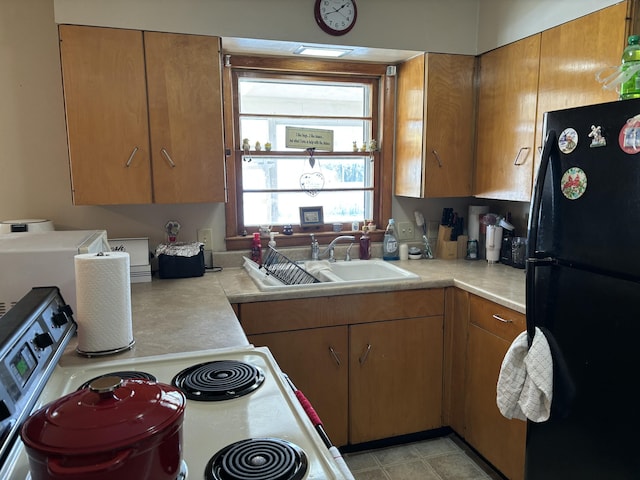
(332, 245)
(315, 248)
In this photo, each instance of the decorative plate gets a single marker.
(573, 183)
(568, 140)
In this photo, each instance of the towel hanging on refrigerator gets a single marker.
(525, 383)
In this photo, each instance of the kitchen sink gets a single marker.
(332, 274)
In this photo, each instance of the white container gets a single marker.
(138, 250)
(43, 259)
(494, 242)
(26, 225)
(473, 229)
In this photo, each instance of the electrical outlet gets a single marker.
(405, 231)
(205, 235)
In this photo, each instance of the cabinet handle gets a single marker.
(500, 319)
(166, 155)
(435, 154)
(515, 162)
(135, 149)
(363, 358)
(334, 355)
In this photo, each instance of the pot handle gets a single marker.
(55, 467)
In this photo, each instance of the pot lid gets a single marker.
(110, 413)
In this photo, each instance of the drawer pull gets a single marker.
(167, 157)
(522, 149)
(334, 355)
(135, 149)
(500, 319)
(363, 358)
(435, 154)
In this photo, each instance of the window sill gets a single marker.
(297, 239)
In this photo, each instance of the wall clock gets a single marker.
(336, 17)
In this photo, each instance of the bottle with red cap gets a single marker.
(256, 249)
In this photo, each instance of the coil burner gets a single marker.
(218, 380)
(259, 459)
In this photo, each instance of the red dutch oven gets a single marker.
(124, 429)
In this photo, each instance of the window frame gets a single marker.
(277, 67)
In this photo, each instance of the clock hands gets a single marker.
(337, 10)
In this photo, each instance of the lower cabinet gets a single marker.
(395, 371)
(370, 364)
(316, 361)
(492, 328)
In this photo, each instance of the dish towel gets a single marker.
(525, 383)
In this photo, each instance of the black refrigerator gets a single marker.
(583, 290)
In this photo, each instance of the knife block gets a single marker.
(446, 249)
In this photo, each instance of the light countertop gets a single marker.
(180, 315)
(499, 283)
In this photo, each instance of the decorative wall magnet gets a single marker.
(568, 140)
(629, 138)
(597, 138)
(573, 183)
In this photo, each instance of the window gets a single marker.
(317, 137)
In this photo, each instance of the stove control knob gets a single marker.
(42, 341)
(66, 309)
(59, 319)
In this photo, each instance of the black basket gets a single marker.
(174, 266)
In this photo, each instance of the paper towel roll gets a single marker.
(474, 220)
(103, 293)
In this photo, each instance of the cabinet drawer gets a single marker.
(501, 321)
(303, 313)
(284, 315)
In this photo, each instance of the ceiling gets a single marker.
(251, 46)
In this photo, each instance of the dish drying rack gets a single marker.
(286, 270)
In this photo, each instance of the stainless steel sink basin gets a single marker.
(355, 272)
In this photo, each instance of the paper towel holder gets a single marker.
(105, 352)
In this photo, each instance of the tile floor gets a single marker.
(444, 458)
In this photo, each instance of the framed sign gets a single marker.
(298, 137)
(311, 216)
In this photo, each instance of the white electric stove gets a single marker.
(261, 414)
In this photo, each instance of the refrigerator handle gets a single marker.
(532, 234)
(534, 213)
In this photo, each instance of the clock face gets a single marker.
(336, 17)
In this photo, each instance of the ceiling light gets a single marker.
(322, 51)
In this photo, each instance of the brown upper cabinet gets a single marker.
(508, 82)
(517, 83)
(570, 57)
(434, 130)
(144, 116)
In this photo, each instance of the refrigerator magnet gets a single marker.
(573, 183)
(629, 138)
(568, 140)
(597, 138)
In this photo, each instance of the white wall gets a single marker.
(505, 21)
(430, 25)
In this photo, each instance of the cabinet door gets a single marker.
(185, 117)
(507, 95)
(499, 440)
(395, 378)
(570, 57)
(455, 345)
(316, 361)
(434, 154)
(106, 111)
